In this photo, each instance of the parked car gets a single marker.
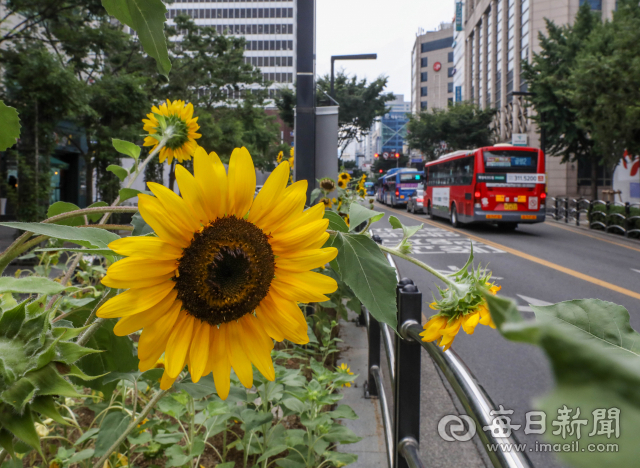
(415, 202)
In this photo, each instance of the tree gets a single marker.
(604, 85)
(361, 103)
(548, 79)
(460, 126)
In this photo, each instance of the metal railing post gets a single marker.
(407, 385)
(371, 390)
(627, 215)
(578, 213)
(556, 207)
(590, 213)
(566, 210)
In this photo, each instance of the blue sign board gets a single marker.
(458, 16)
(458, 93)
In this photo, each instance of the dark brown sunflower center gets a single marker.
(226, 271)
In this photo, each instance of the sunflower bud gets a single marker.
(327, 184)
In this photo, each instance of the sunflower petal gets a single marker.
(239, 360)
(257, 346)
(286, 316)
(176, 208)
(242, 182)
(299, 239)
(304, 287)
(157, 217)
(133, 323)
(269, 195)
(306, 260)
(192, 194)
(178, 345)
(154, 338)
(221, 364)
(199, 352)
(145, 247)
(289, 207)
(212, 179)
(134, 301)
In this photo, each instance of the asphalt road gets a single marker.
(536, 264)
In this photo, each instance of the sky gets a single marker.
(385, 27)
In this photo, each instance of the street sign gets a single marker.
(385, 155)
(437, 66)
(458, 16)
(458, 93)
(519, 139)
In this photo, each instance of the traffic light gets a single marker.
(397, 155)
(380, 171)
(376, 155)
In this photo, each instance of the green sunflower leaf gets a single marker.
(45, 405)
(113, 425)
(336, 223)
(140, 226)
(10, 128)
(20, 425)
(127, 148)
(127, 193)
(119, 171)
(364, 268)
(86, 237)
(32, 285)
(358, 214)
(147, 18)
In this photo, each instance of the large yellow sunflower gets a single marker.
(225, 273)
(175, 119)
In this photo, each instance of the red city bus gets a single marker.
(501, 184)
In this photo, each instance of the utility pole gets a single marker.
(305, 119)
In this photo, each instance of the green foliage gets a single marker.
(603, 87)
(10, 131)
(460, 126)
(365, 269)
(595, 358)
(93, 238)
(147, 18)
(34, 358)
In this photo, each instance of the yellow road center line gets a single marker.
(579, 231)
(531, 258)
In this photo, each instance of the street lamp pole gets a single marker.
(348, 57)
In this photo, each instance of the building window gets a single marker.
(423, 91)
(450, 87)
(450, 57)
(450, 100)
(424, 62)
(450, 71)
(595, 4)
(423, 76)
(436, 45)
(423, 104)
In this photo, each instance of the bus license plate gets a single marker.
(528, 217)
(494, 216)
(511, 206)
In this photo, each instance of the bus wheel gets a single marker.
(454, 217)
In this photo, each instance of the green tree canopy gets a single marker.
(460, 126)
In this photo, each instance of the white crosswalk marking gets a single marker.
(531, 301)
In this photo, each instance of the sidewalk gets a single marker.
(354, 351)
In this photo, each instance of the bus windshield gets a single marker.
(510, 161)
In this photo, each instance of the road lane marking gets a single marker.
(540, 261)
(579, 231)
(637, 271)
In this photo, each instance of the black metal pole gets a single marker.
(407, 394)
(374, 355)
(333, 61)
(305, 121)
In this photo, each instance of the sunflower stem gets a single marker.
(135, 423)
(422, 265)
(138, 171)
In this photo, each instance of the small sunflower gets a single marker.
(327, 184)
(445, 328)
(342, 183)
(327, 203)
(345, 176)
(225, 273)
(279, 158)
(173, 119)
(344, 369)
(362, 192)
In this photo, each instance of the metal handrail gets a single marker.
(475, 401)
(384, 409)
(408, 447)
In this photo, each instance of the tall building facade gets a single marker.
(497, 35)
(269, 27)
(393, 126)
(432, 69)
